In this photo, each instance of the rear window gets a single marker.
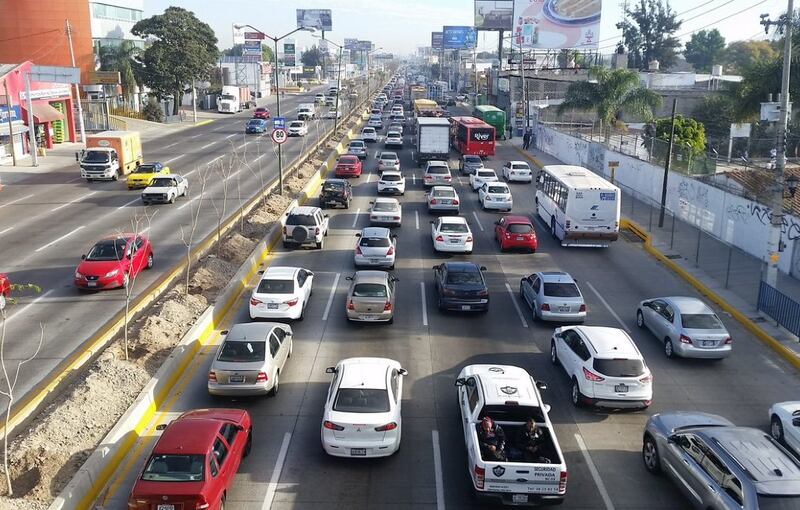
(446, 193)
(498, 189)
(174, 468)
(619, 367)
(485, 173)
(160, 182)
(333, 186)
(465, 277)
(369, 290)
(561, 290)
(368, 130)
(148, 169)
(361, 400)
(374, 242)
(701, 321)
(778, 503)
(391, 177)
(300, 219)
(438, 170)
(384, 206)
(275, 287)
(520, 166)
(389, 155)
(358, 144)
(348, 160)
(472, 159)
(454, 227)
(242, 352)
(520, 228)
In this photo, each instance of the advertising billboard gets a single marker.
(494, 14)
(251, 48)
(436, 40)
(289, 54)
(557, 24)
(459, 38)
(319, 19)
(364, 46)
(351, 44)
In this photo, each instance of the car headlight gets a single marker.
(78, 275)
(112, 273)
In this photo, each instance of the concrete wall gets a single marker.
(734, 219)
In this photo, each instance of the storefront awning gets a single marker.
(19, 128)
(43, 112)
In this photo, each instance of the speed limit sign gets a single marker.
(279, 135)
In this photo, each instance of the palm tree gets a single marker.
(611, 93)
(120, 58)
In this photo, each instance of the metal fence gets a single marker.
(783, 309)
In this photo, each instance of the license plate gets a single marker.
(163, 506)
(375, 261)
(91, 284)
(708, 343)
(465, 307)
(236, 379)
(621, 388)
(519, 498)
(358, 451)
(454, 240)
(386, 218)
(446, 202)
(520, 238)
(563, 308)
(272, 306)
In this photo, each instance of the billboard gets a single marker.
(557, 24)
(251, 48)
(253, 36)
(319, 19)
(364, 46)
(436, 40)
(459, 38)
(350, 44)
(494, 14)
(289, 54)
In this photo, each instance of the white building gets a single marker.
(112, 21)
(247, 72)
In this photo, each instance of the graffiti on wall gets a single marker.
(690, 193)
(746, 213)
(596, 158)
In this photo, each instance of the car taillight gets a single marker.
(646, 379)
(469, 239)
(433, 201)
(480, 477)
(201, 503)
(447, 178)
(562, 483)
(291, 302)
(316, 231)
(285, 231)
(428, 177)
(255, 302)
(261, 377)
(685, 339)
(396, 218)
(387, 307)
(591, 376)
(439, 238)
(212, 376)
(545, 307)
(358, 250)
(384, 428)
(331, 426)
(350, 305)
(582, 308)
(390, 251)
(728, 341)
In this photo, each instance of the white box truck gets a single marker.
(306, 111)
(233, 99)
(433, 138)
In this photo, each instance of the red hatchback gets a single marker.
(348, 166)
(5, 290)
(515, 232)
(113, 261)
(261, 113)
(194, 461)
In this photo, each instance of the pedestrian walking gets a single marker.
(526, 140)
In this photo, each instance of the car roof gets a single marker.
(442, 188)
(386, 200)
(336, 181)
(375, 232)
(365, 372)
(437, 162)
(518, 219)
(504, 383)
(688, 305)
(188, 436)
(388, 153)
(304, 210)
(279, 272)
(610, 342)
(370, 276)
(462, 267)
(245, 331)
(167, 176)
(390, 172)
(453, 219)
(518, 162)
(555, 276)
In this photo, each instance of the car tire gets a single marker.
(639, 319)
(276, 384)
(322, 205)
(302, 312)
(249, 444)
(553, 353)
(776, 428)
(553, 228)
(575, 394)
(650, 455)
(150, 261)
(115, 177)
(172, 199)
(669, 350)
(185, 193)
(390, 321)
(320, 244)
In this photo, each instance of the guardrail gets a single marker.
(780, 307)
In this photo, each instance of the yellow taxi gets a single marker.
(144, 174)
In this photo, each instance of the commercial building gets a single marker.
(112, 21)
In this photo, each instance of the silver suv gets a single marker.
(718, 465)
(305, 226)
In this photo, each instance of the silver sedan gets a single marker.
(553, 296)
(686, 325)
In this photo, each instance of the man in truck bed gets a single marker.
(492, 439)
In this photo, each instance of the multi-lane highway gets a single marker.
(288, 468)
(48, 220)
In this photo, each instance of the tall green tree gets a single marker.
(716, 113)
(705, 49)
(758, 81)
(742, 55)
(609, 95)
(311, 57)
(184, 48)
(649, 33)
(688, 133)
(120, 58)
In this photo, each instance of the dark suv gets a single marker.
(335, 192)
(461, 286)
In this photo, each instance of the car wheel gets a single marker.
(553, 228)
(172, 199)
(639, 319)
(322, 205)
(320, 244)
(286, 244)
(186, 192)
(668, 350)
(553, 353)
(115, 177)
(776, 428)
(439, 303)
(652, 461)
(576, 393)
(150, 261)
(302, 313)
(276, 384)
(249, 444)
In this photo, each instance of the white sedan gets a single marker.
(386, 211)
(517, 171)
(451, 234)
(388, 161)
(392, 181)
(481, 176)
(362, 412)
(282, 293)
(368, 134)
(333, 113)
(495, 195)
(297, 128)
(784, 420)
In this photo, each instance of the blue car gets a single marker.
(256, 126)
(460, 286)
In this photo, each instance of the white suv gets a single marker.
(606, 368)
(305, 226)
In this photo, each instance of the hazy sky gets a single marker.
(400, 26)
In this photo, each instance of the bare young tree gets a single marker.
(223, 170)
(10, 382)
(186, 235)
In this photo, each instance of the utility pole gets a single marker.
(666, 166)
(278, 108)
(338, 93)
(9, 110)
(194, 102)
(31, 126)
(77, 86)
(774, 247)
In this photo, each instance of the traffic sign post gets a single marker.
(279, 136)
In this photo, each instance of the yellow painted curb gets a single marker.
(204, 122)
(529, 157)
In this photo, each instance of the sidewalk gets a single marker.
(720, 268)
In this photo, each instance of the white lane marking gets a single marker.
(73, 201)
(231, 135)
(243, 145)
(144, 230)
(605, 303)
(369, 177)
(330, 297)
(414, 178)
(437, 467)
(171, 145)
(74, 180)
(276, 473)
(355, 217)
(176, 158)
(21, 311)
(516, 305)
(424, 304)
(6, 230)
(195, 136)
(188, 202)
(51, 243)
(261, 156)
(213, 160)
(601, 488)
(206, 146)
(123, 206)
(189, 173)
(477, 220)
(416, 219)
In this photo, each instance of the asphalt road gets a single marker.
(48, 220)
(288, 468)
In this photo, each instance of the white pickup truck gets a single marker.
(165, 189)
(509, 396)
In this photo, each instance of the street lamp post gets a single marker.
(338, 86)
(277, 89)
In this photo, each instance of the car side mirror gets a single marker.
(348, 278)
(435, 268)
(161, 426)
(541, 385)
(394, 236)
(310, 273)
(358, 234)
(325, 216)
(402, 371)
(83, 257)
(223, 332)
(330, 370)
(461, 381)
(77, 156)
(261, 271)
(497, 222)
(431, 222)
(483, 268)
(796, 422)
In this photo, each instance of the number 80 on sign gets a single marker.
(279, 135)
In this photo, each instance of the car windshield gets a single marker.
(497, 189)
(266, 286)
(619, 367)
(348, 161)
(333, 186)
(296, 124)
(384, 206)
(174, 468)
(361, 400)
(701, 321)
(242, 352)
(555, 289)
(769, 502)
(391, 177)
(369, 290)
(145, 169)
(439, 170)
(520, 228)
(446, 193)
(472, 159)
(464, 277)
(454, 227)
(255, 123)
(110, 249)
(300, 219)
(374, 242)
(96, 157)
(160, 182)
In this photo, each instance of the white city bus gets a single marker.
(580, 207)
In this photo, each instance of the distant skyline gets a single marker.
(400, 26)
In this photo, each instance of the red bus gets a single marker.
(469, 135)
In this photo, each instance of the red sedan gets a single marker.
(261, 113)
(348, 166)
(193, 464)
(5, 290)
(515, 232)
(113, 261)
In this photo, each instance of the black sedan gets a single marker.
(335, 192)
(460, 286)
